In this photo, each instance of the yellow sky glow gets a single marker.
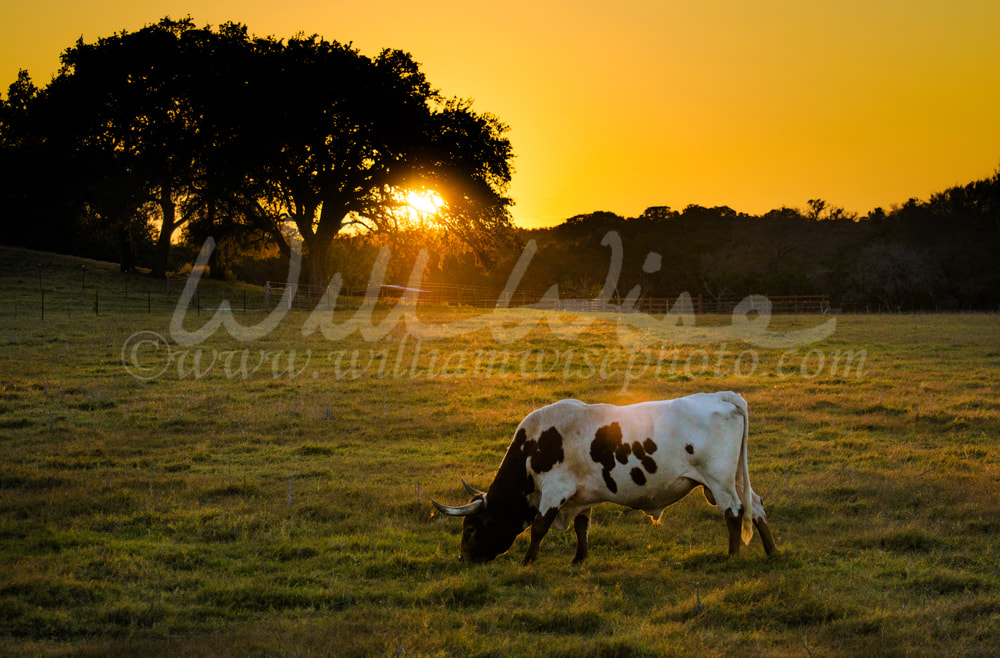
(619, 106)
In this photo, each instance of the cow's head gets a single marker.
(486, 532)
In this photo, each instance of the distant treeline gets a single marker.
(935, 254)
(938, 254)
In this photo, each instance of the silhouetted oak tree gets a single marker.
(330, 137)
(228, 134)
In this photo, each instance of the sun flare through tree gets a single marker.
(423, 203)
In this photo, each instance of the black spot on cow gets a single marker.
(606, 441)
(609, 481)
(547, 452)
(689, 448)
(509, 512)
(649, 445)
(642, 455)
(638, 476)
(604, 450)
(622, 453)
(512, 480)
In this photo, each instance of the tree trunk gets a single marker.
(126, 259)
(315, 262)
(331, 219)
(162, 253)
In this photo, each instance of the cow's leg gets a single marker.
(539, 527)
(581, 524)
(728, 500)
(760, 521)
(765, 535)
(735, 524)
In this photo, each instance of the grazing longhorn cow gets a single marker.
(569, 456)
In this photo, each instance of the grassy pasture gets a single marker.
(270, 497)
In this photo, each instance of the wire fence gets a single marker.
(137, 294)
(40, 287)
(441, 294)
(72, 293)
(131, 295)
(156, 299)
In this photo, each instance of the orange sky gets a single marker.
(623, 105)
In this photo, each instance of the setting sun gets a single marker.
(424, 202)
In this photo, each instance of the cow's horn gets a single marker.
(472, 490)
(464, 510)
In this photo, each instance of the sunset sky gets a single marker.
(623, 105)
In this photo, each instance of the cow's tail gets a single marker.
(744, 470)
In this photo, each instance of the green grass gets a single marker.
(288, 513)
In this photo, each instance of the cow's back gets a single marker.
(579, 423)
(626, 453)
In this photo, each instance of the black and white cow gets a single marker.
(569, 456)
